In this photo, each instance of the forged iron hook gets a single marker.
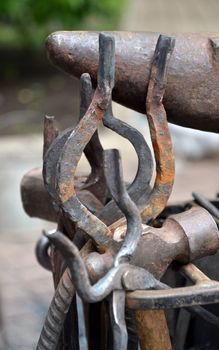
(144, 173)
(94, 154)
(77, 141)
(160, 136)
(93, 151)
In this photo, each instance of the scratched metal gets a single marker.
(192, 95)
(140, 184)
(78, 139)
(160, 135)
(204, 292)
(93, 151)
(122, 266)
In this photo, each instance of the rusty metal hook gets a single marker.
(93, 151)
(160, 136)
(77, 141)
(140, 184)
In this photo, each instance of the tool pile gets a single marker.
(114, 243)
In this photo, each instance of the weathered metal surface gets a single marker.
(49, 133)
(126, 256)
(35, 199)
(81, 135)
(204, 293)
(191, 98)
(42, 253)
(207, 233)
(160, 136)
(93, 151)
(145, 254)
(117, 313)
(112, 280)
(120, 276)
(140, 184)
(158, 247)
(116, 186)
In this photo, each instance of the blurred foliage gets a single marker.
(26, 23)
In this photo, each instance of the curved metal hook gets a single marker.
(94, 154)
(77, 141)
(144, 173)
(79, 274)
(160, 136)
(93, 151)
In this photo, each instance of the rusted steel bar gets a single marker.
(192, 95)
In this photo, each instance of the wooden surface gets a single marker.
(152, 330)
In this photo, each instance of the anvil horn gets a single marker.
(192, 94)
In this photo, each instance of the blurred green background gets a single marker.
(25, 23)
(29, 86)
